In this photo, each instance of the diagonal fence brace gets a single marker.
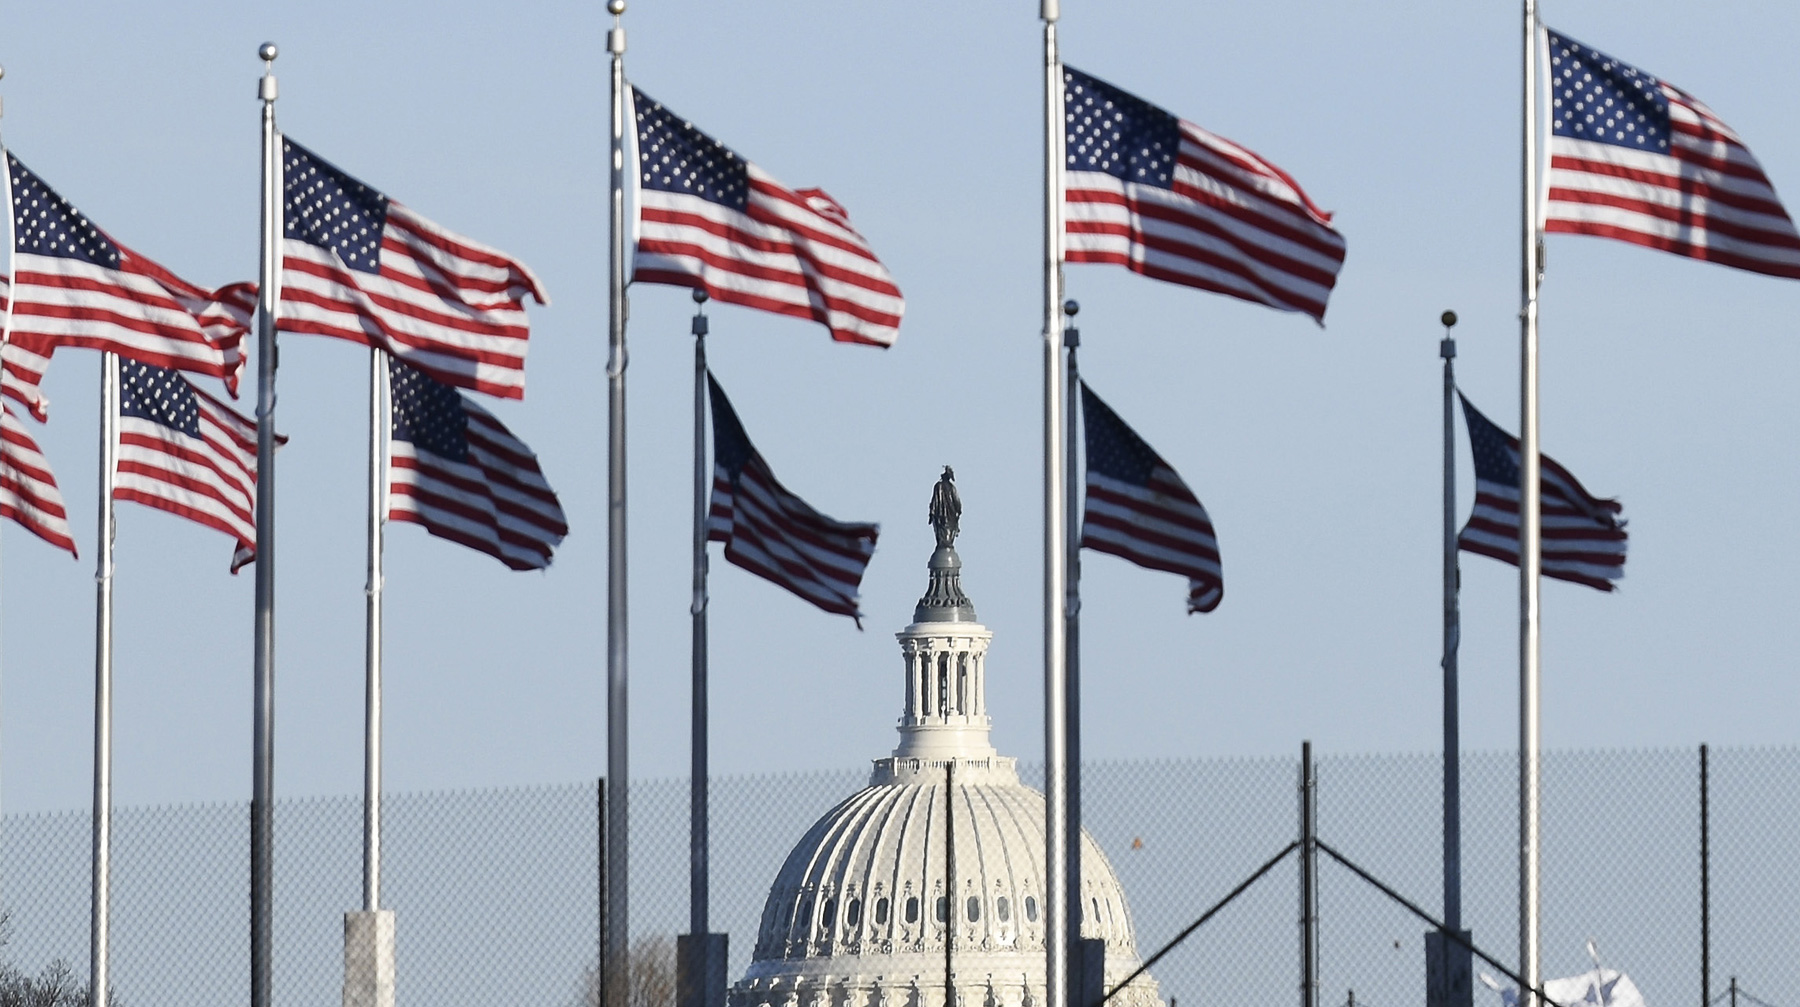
(1438, 925)
(1209, 914)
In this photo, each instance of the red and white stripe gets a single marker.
(210, 479)
(22, 364)
(28, 492)
(445, 304)
(781, 538)
(788, 252)
(1583, 538)
(497, 502)
(139, 310)
(1233, 224)
(1705, 198)
(1159, 526)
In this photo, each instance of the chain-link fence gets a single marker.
(496, 892)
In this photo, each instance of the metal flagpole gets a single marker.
(699, 954)
(262, 806)
(369, 934)
(379, 423)
(1078, 986)
(1056, 853)
(618, 859)
(11, 248)
(1449, 966)
(1530, 517)
(1452, 638)
(99, 922)
(697, 765)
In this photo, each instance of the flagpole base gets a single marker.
(369, 959)
(1449, 972)
(700, 970)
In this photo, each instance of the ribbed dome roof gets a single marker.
(861, 911)
(868, 878)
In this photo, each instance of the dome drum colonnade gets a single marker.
(859, 914)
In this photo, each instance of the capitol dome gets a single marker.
(857, 915)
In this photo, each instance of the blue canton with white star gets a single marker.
(428, 414)
(325, 207)
(731, 445)
(1115, 450)
(1595, 97)
(1495, 451)
(1116, 132)
(45, 224)
(673, 156)
(159, 395)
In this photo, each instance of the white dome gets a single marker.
(856, 917)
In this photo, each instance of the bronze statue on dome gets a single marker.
(946, 509)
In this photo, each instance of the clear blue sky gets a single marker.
(1668, 383)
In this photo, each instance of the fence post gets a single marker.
(1309, 880)
(1706, 891)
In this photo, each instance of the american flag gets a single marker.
(185, 452)
(28, 492)
(76, 286)
(709, 219)
(1584, 537)
(1638, 159)
(455, 469)
(359, 266)
(1139, 509)
(773, 533)
(1165, 198)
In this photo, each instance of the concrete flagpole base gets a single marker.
(369, 959)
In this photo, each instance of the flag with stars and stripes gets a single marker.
(1160, 196)
(1584, 536)
(185, 452)
(455, 469)
(28, 492)
(74, 285)
(773, 533)
(1139, 509)
(1638, 159)
(709, 219)
(357, 265)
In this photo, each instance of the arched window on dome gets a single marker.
(803, 915)
(1031, 909)
(1003, 909)
(974, 908)
(943, 684)
(912, 909)
(828, 917)
(853, 914)
(943, 909)
(881, 912)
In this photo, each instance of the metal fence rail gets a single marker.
(496, 891)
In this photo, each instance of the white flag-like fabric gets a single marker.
(1599, 988)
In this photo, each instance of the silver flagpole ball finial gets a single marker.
(267, 52)
(615, 7)
(1448, 318)
(1071, 306)
(699, 296)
